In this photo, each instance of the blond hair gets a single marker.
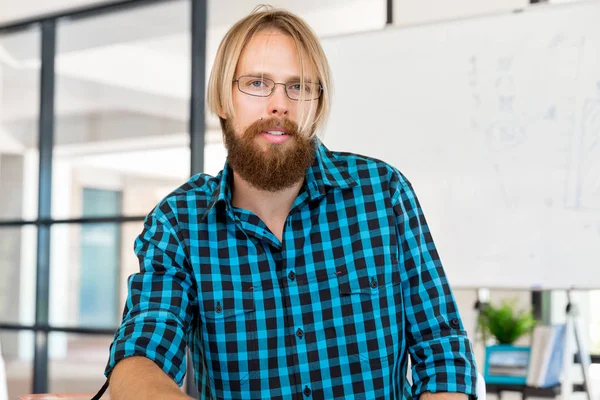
(310, 53)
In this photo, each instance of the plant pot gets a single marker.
(506, 364)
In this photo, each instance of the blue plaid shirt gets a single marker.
(333, 310)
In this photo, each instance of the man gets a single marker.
(296, 272)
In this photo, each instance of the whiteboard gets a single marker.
(496, 122)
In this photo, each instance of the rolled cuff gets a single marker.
(156, 335)
(444, 364)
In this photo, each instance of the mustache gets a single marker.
(290, 127)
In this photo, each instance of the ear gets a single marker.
(221, 113)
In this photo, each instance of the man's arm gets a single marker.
(140, 378)
(443, 396)
(160, 305)
(442, 359)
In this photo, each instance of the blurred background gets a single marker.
(114, 129)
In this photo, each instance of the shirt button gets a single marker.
(299, 333)
(306, 391)
(218, 308)
(455, 323)
(292, 275)
(373, 283)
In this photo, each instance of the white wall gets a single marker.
(409, 12)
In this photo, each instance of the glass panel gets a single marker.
(122, 105)
(17, 275)
(77, 362)
(19, 112)
(17, 351)
(90, 264)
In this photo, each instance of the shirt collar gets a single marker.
(221, 196)
(326, 172)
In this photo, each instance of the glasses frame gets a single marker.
(285, 89)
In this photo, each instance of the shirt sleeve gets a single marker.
(440, 351)
(161, 297)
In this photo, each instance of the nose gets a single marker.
(279, 103)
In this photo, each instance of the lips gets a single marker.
(275, 132)
(276, 137)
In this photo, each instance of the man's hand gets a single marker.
(443, 396)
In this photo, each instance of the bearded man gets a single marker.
(297, 272)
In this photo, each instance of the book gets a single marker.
(556, 348)
(540, 337)
(547, 355)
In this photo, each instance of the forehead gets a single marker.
(271, 52)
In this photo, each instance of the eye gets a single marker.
(298, 87)
(257, 83)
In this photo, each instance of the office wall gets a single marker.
(410, 12)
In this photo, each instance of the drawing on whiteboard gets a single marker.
(508, 201)
(557, 40)
(505, 63)
(506, 135)
(587, 188)
(570, 56)
(505, 82)
(474, 81)
(473, 71)
(506, 103)
(550, 113)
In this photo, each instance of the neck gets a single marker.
(265, 204)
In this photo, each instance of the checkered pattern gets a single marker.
(333, 311)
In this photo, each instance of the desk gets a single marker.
(528, 391)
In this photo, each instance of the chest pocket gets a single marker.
(229, 335)
(372, 314)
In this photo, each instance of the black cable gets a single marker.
(101, 391)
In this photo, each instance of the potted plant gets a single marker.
(505, 362)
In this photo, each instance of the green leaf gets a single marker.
(504, 322)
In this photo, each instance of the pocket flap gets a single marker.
(226, 305)
(367, 280)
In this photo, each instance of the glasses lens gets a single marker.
(311, 91)
(255, 86)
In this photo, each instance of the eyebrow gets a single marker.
(268, 75)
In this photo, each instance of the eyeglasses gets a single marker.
(264, 87)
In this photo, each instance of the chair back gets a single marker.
(481, 391)
(3, 380)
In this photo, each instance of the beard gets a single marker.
(276, 167)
